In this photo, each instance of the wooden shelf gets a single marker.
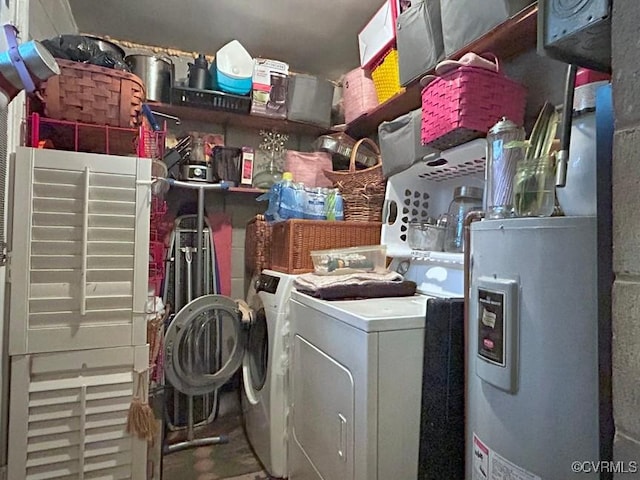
(237, 119)
(507, 40)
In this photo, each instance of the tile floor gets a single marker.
(231, 461)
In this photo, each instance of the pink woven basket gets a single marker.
(465, 103)
(359, 94)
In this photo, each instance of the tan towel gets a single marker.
(312, 282)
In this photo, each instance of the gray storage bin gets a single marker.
(400, 144)
(463, 21)
(310, 100)
(419, 39)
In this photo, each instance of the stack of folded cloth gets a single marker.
(355, 285)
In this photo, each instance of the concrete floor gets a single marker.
(231, 461)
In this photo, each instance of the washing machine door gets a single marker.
(188, 337)
(256, 357)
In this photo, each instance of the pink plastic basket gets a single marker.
(465, 103)
(359, 94)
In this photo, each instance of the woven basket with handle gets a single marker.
(362, 190)
(92, 94)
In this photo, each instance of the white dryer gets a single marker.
(355, 388)
(376, 385)
(265, 368)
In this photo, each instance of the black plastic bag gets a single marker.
(82, 49)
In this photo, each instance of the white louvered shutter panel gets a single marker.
(79, 251)
(68, 415)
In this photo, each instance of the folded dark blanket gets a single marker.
(405, 288)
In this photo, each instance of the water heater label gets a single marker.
(491, 334)
(489, 465)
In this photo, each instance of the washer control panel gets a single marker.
(267, 283)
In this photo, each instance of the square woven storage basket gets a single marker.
(464, 104)
(293, 241)
(386, 76)
(92, 94)
(358, 93)
(257, 246)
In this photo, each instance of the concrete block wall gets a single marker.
(626, 231)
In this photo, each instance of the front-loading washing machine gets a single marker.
(265, 368)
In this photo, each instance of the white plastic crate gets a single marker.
(426, 189)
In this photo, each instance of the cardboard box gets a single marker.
(269, 88)
(246, 169)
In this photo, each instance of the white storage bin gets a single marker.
(463, 21)
(310, 99)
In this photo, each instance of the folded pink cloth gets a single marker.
(467, 60)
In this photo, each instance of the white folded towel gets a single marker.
(312, 282)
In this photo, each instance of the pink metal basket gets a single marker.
(465, 103)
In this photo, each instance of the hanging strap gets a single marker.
(11, 33)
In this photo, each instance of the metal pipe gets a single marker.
(165, 115)
(199, 185)
(198, 442)
(567, 112)
(200, 246)
(473, 216)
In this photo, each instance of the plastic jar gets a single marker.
(465, 200)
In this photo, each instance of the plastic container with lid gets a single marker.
(500, 168)
(340, 261)
(232, 69)
(465, 200)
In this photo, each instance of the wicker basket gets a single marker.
(257, 246)
(92, 94)
(362, 190)
(386, 76)
(465, 103)
(293, 241)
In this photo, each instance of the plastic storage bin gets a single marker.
(340, 261)
(463, 21)
(226, 102)
(310, 99)
(419, 39)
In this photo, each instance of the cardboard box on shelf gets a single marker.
(269, 84)
(246, 172)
